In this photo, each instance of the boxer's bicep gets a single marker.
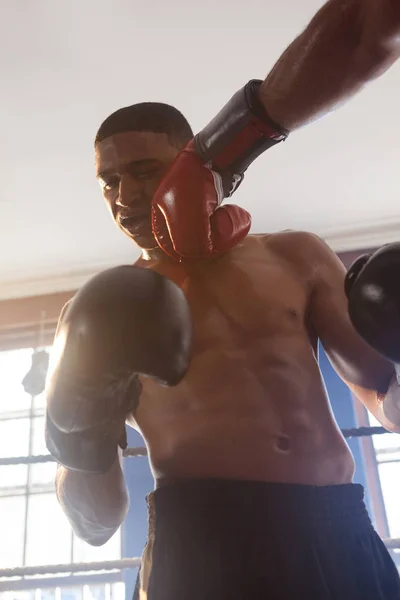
(364, 371)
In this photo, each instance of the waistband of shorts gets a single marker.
(268, 506)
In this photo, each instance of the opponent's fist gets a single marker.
(187, 217)
(123, 323)
(373, 290)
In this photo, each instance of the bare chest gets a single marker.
(245, 296)
(249, 311)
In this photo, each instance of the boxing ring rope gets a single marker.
(46, 458)
(142, 451)
(129, 563)
(110, 565)
(364, 431)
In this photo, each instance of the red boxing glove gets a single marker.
(187, 217)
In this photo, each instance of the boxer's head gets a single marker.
(134, 147)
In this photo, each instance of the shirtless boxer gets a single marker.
(253, 478)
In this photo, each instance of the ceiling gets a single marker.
(66, 65)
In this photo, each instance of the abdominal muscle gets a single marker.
(257, 413)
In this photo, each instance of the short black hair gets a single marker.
(148, 116)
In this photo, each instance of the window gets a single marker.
(106, 591)
(387, 453)
(33, 526)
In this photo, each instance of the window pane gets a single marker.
(49, 533)
(43, 474)
(38, 439)
(39, 403)
(14, 437)
(118, 591)
(96, 592)
(390, 475)
(71, 593)
(14, 365)
(13, 476)
(18, 595)
(83, 552)
(12, 522)
(386, 440)
(46, 594)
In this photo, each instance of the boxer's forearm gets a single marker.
(347, 44)
(390, 402)
(95, 505)
(376, 403)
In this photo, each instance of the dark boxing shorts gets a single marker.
(240, 540)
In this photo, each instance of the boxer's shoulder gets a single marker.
(291, 239)
(301, 248)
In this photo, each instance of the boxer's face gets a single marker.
(129, 167)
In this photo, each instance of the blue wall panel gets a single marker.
(342, 405)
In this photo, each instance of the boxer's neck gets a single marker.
(153, 255)
(165, 265)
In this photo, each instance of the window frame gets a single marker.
(371, 471)
(74, 579)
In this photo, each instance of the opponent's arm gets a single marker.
(366, 373)
(187, 217)
(347, 43)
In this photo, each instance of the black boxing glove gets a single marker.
(372, 286)
(236, 136)
(124, 322)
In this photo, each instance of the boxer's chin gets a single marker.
(142, 235)
(146, 243)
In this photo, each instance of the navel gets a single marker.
(283, 443)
